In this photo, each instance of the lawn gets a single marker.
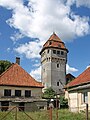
(43, 115)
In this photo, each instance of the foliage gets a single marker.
(63, 102)
(49, 93)
(4, 65)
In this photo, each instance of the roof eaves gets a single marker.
(71, 86)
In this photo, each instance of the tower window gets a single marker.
(62, 53)
(59, 45)
(57, 83)
(54, 51)
(57, 65)
(50, 43)
(48, 51)
(58, 52)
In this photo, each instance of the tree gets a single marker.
(4, 65)
(49, 93)
(63, 102)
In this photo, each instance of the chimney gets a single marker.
(18, 60)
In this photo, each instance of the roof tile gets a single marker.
(81, 79)
(17, 76)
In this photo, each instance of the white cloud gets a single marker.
(30, 50)
(36, 73)
(8, 49)
(79, 3)
(70, 69)
(16, 36)
(39, 19)
(85, 3)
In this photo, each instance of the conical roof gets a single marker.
(54, 42)
(54, 37)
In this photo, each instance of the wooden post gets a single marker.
(16, 114)
(50, 113)
(86, 111)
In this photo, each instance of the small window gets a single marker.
(48, 51)
(50, 43)
(54, 51)
(18, 93)
(7, 92)
(59, 45)
(57, 83)
(85, 97)
(57, 65)
(58, 52)
(27, 93)
(62, 53)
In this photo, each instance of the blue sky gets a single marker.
(25, 25)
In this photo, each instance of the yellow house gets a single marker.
(78, 92)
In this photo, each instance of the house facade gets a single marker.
(18, 88)
(78, 92)
(53, 64)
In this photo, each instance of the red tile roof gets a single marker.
(17, 76)
(54, 41)
(81, 79)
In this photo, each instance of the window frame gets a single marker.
(7, 92)
(62, 52)
(54, 51)
(58, 65)
(85, 97)
(58, 52)
(48, 51)
(17, 95)
(57, 83)
(26, 93)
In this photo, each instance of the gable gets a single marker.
(17, 76)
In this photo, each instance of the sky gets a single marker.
(25, 25)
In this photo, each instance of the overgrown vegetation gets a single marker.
(45, 115)
(49, 93)
(63, 102)
(4, 65)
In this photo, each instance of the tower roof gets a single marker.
(54, 37)
(54, 42)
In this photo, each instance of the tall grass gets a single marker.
(44, 115)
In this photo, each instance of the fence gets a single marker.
(18, 113)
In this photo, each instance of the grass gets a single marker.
(44, 115)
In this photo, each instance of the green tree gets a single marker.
(63, 102)
(4, 65)
(49, 93)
